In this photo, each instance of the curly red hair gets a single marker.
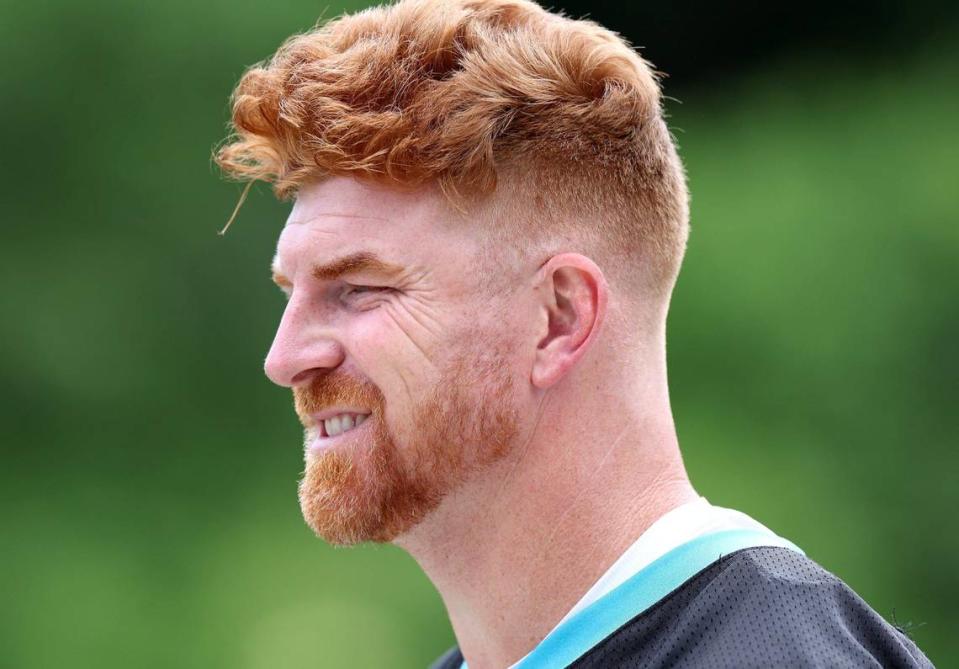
(461, 93)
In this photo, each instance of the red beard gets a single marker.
(377, 488)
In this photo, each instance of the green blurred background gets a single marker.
(149, 515)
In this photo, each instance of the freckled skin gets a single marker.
(425, 350)
(429, 301)
(520, 435)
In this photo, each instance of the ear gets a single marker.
(573, 294)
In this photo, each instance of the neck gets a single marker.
(516, 547)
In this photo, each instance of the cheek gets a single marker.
(399, 364)
(390, 337)
(503, 323)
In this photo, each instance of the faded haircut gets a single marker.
(559, 118)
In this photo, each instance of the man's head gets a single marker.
(471, 177)
(386, 321)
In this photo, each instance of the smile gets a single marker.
(341, 423)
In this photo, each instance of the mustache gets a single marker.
(334, 388)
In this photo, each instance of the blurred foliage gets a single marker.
(148, 488)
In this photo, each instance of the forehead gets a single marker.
(341, 215)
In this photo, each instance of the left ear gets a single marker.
(573, 293)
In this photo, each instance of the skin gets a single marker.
(525, 420)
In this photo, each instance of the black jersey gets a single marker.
(755, 607)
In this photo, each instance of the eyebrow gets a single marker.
(361, 261)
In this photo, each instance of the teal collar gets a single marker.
(589, 627)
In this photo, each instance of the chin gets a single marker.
(349, 498)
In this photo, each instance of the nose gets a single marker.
(303, 345)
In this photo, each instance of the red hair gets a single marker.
(466, 94)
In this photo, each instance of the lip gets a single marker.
(320, 439)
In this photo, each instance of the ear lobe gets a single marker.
(575, 293)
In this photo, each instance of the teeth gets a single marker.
(333, 426)
(343, 422)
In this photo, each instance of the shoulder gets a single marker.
(758, 607)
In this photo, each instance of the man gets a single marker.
(489, 219)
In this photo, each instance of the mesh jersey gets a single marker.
(757, 607)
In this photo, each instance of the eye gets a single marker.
(354, 291)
